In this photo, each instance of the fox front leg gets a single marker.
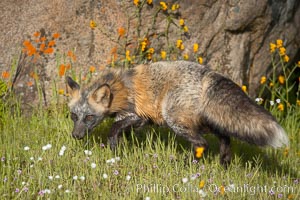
(131, 121)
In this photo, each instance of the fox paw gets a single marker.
(113, 142)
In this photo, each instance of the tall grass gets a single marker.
(40, 160)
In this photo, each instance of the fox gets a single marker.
(189, 98)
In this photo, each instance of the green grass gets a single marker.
(152, 163)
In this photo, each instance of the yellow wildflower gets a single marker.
(178, 44)
(195, 47)
(281, 79)
(127, 55)
(143, 46)
(185, 29)
(290, 196)
(280, 107)
(151, 50)
(182, 47)
(244, 88)
(163, 5)
(272, 47)
(222, 190)
(282, 51)
(163, 55)
(271, 84)
(286, 58)
(185, 56)
(298, 102)
(298, 63)
(201, 184)
(263, 79)
(93, 24)
(61, 91)
(200, 60)
(181, 22)
(136, 2)
(279, 43)
(175, 7)
(199, 152)
(149, 2)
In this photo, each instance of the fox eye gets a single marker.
(74, 117)
(89, 118)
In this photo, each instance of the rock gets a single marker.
(233, 35)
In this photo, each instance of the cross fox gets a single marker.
(189, 98)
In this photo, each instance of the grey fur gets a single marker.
(192, 100)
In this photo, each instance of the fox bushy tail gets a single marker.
(229, 111)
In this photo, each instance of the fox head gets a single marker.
(88, 107)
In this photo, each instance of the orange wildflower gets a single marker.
(26, 43)
(68, 66)
(36, 34)
(34, 75)
(43, 39)
(5, 74)
(121, 31)
(70, 54)
(51, 43)
(92, 69)
(42, 47)
(62, 70)
(29, 83)
(56, 35)
(49, 50)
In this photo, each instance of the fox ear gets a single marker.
(102, 95)
(74, 87)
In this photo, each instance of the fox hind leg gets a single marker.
(187, 133)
